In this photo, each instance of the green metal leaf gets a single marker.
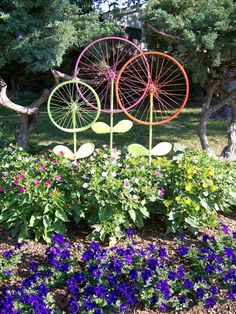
(101, 128)
(85, 150)
(161, 149)
(138, 150)
(63, 150)
(123, 126)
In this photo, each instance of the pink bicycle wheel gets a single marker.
(99, 64)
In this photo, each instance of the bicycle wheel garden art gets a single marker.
(183, 259)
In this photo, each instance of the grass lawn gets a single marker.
(183, 129)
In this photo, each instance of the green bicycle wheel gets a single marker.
(69, 106)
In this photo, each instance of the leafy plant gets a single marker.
(198, 186)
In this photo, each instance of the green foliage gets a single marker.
(40, 194)
(206, 32)
(118, 193)
(37, 35)
(198, 186)
(8, 265)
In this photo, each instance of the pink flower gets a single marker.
(42, 168)
(10, 188)
(126, 184)
(58, 177)
(16, 182)
(21, 189)
(161, 192)
(1, 189)
(48, 182)
(54, 161)
(37, 182)
(157, 174)
(21, 176)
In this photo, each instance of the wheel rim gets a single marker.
(68, 111)
(166, 84)
(99, 64)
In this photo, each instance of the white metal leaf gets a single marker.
(85, 150)
(65, 151)
(123, 126)
(161, 149)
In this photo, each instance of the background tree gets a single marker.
(37, 36)
(202, 35)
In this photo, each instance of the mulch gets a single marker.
(152, 232)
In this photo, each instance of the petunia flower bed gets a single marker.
(96, 279)
(40, 194)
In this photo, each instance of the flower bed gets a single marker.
(95, 279)
(40, 194)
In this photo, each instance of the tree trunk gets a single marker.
(28, 114)
(24, 128)
(230, 150)
(202, 128)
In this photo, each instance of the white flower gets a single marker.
(10, 144)
(20, 148)
(105, 156)
(135, 197)
(117, 228)
(92, 171)
(19, 158)
(136, 180)
(98, 228)
(85, 185)
(143, 202)
(6, 166)
(113, 174)
(104, 174)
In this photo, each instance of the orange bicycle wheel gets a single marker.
(167, 92)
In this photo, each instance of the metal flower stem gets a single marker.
(150, 128)
(111, 116)
(74, 127)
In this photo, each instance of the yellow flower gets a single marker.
(190, 171)
(188, 187)
(205, 185)
(210, 173)
(177, 198)
(190, 176)
(187, 201)
(213, 188)
(179, 165)
(197, 207)
(167, 203)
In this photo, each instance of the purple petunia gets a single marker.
(210, 302)
(58, 239)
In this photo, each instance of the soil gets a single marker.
(152, 232)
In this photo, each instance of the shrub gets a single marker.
(198, 186)
(40, 194)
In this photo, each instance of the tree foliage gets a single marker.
(203, 34)
(38, 34)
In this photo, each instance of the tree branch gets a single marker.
(166, 36)
(222, 102)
